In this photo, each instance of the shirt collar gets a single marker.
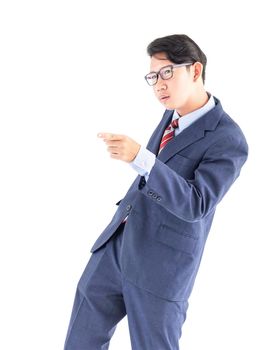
(187, 119)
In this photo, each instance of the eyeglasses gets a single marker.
(165, 73)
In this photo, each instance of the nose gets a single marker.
(160, 85)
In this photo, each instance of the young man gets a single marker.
(145, 262)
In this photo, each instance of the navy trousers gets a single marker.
(104, 297)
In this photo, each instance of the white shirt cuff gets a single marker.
(143, 162)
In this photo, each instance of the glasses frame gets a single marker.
(169, 65)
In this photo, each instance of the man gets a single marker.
(145, 262)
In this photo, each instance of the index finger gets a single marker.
(109, 136)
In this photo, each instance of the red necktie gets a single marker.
(169, 133)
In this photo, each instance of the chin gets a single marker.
(169, 106)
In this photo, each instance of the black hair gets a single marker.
(179, 48)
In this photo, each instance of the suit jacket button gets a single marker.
(150, 193)
(158, 198)
(128, 208)
(154, 196)
(142, 183)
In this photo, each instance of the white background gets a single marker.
(70, 69)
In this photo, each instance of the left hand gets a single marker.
(120, 146)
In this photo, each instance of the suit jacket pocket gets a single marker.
(180, 241)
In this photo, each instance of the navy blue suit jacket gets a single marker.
(170, 215)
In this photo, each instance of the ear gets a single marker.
(197, 70)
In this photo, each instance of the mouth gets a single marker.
(164, 98)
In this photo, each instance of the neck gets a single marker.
(193, 103)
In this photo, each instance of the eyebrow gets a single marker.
(154, 71)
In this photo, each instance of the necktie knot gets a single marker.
(175, 123)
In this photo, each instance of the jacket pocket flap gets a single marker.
(181, 241)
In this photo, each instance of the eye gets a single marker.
(152, 76)
(167, 71)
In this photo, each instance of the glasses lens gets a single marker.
(151, 78)
(166, 72)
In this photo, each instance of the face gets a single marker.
(175, 92)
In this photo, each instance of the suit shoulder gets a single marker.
(229, 127)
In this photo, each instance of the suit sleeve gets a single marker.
(192, 200)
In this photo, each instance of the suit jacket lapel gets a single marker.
(191, 134)
(186, 138)
(155, 139)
